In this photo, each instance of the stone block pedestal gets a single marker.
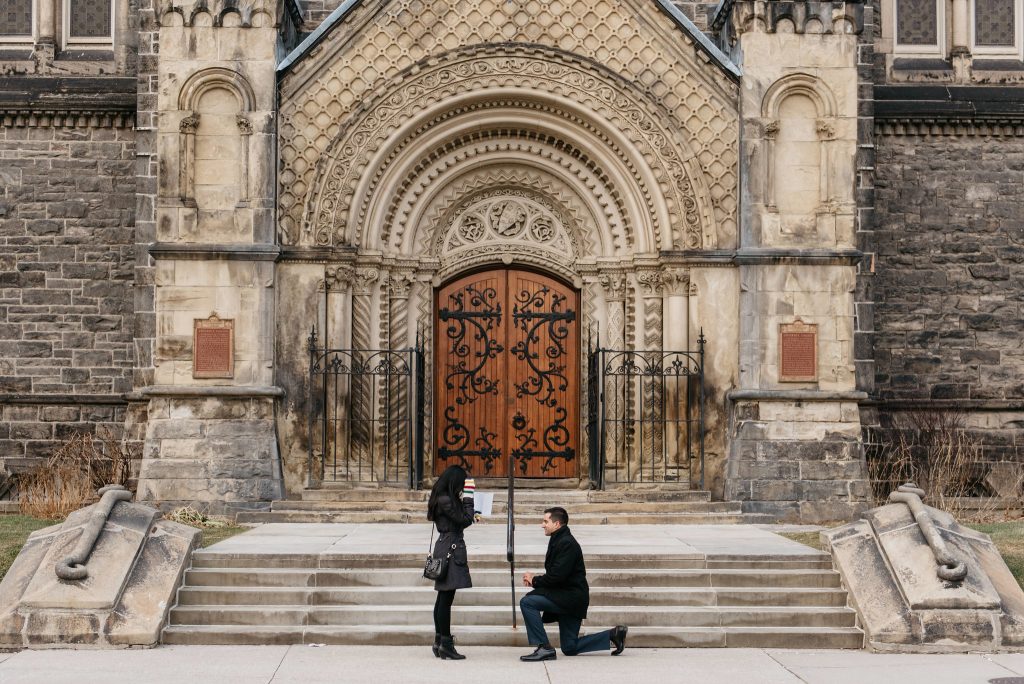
(212, 448)
(797, 455)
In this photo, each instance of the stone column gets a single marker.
(615, 406)
(397, 406)
(363, 339)
(961, 50)
(677, 324)
(651, 404)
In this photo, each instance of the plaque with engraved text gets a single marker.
(213, 348)
(798, 352)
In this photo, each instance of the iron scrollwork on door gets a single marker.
(556, 442)
(471, 333)
(534, 313)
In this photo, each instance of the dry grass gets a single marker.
(71, 476)
(217, 534)
(214, 529)
(934, 450)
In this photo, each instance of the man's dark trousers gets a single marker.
(568, 628)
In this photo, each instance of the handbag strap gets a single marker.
(430, 549)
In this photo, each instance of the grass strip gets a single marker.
(14, 530)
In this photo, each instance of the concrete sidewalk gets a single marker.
(405, 665)
(346, 539)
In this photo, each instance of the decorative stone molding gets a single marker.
(826, 129)
(330, 209)
(942, 127)
(614, 285)
(733, 18)
(651, 282)
(771, 128)
(339, 277)
(249, 14)
(244, 125)
(510, 217)
(189, 124)
(676, 281)
(551, 192)
(77, 118)
(364, 281)
(400, 285)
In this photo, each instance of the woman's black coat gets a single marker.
(564, 581)
(451, 520)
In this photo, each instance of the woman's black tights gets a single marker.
(443, 612)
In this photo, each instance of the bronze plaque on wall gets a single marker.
(798, 352)
(213, 348)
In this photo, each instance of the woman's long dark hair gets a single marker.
(450, 484)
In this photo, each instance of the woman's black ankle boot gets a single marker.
(447, 651)
(436, 647)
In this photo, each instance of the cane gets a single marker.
(510, 542)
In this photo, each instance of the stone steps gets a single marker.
(485, 596)
(767, 601)
(337, 503)
(572, 496)
(490, 615)
(423, 635)
(382, 515)
(391, 576)
(533, 508)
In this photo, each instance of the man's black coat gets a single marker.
(564, 581)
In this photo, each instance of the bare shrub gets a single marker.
(74, 472)
(932, 448)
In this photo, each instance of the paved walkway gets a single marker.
(488, 538)
(407, 665)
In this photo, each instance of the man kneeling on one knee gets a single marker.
(562, 595)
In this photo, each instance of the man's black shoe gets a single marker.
(619, 638)
(542, 653)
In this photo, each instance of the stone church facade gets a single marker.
(200, 199)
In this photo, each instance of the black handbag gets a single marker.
(436, 568)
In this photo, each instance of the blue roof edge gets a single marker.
(666, 6)
(702, 40)
(311, 41)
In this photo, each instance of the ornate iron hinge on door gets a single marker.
(529, 316)
(465, 377)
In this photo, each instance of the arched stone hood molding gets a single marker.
(572, 103)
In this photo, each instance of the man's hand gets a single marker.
(528, 579)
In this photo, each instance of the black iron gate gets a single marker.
(646, 416)
(365, 414)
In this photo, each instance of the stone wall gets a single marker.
(67, 211)
(950, 274)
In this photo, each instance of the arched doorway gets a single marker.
(507, 375)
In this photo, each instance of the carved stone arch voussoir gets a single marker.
(798, 83)
(655, 144)
(216, 77)
(597, 221)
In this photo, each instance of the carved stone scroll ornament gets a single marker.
(73, 567)
(950, 568)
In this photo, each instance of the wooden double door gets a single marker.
(507, 375)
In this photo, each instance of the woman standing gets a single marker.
(450, 507)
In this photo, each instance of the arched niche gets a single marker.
(214, 143)
(798, 114)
